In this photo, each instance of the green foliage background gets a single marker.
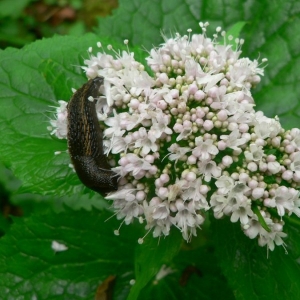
(221, 262)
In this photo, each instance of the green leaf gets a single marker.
(252, 272)
(12, 10)
(278, 39)
(8, 185)
(151, 256)
(26, 97)
(195, 275)
(236, 29)
(32, 203)
(292, 228)
(142, 21)
(8, 181)
(30, 268)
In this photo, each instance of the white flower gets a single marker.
(241, 212)
(127, 194)
(242, 71)
(127, 210)
(61, 123)
(203, 149)
(218, 203)
(163, 272)
(296, 201)
(224, 184)
(193, 193)
(274, 167)
(185, 131)
(157, 214)
(209, 169)
(155, 59)
(257, 193)
(58, 247)
(146, 141)
(266, 127)
(135, 165)
(254, 228)
(177, 152)
(126, 204)
(160, 125)
(232, 140)
(176, 189)
(273, 237)
(295, 133)
(187, 219)
(239, 188)
(237, 204)
(192, 68)
(210, 80)
(256, 153)
(161, 211)
(283, 200)
(114, 124)
(117, 144)
(295, 165)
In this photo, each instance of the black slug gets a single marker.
(85, 140)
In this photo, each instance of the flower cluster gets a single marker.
(187, 139)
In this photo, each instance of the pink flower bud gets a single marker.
(208, 125)
(222, 115)
(199, 95)
(257, 193)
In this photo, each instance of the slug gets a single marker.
(85, 140)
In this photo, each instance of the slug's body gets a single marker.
(85, 140)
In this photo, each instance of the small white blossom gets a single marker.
(58, 247)
(209, 169)
(193, 193)
(60, 123)
(233, 140)
(146, 141)
(224, 184)
(283, 200)
(187, 219)
(256, 153)
(177, 152)
(254, 228)
(241, 212)
(295, 133)
(204, 149)
(295, 165)
(274, 167)
(266, 127)
(272, 238)
(163, 272)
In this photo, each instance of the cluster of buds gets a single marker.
(187, 140)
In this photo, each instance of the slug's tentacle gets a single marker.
(85, 140)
